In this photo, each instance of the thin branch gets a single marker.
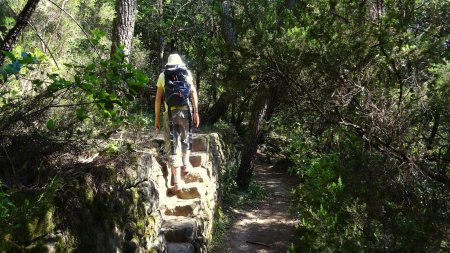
(73, 105)
(376, 142)
(334, 13)
(45, 44)
(37, 33)
(176, 15)
(31, 80)
(396, 72)
(74, 20)
(258, 243)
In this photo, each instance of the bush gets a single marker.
(7, 208)
(353, 199)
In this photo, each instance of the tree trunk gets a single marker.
(199, 71)
(222, 104)
(13, 35)
(233, 112)
(123, 25)
(259, 112)
(434, 130)
(198, 77)
(161, 42)
(230, 35)
(219, 108)
(242, 112)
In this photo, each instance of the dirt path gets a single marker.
(269, 227)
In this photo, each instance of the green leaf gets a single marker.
(39, 55)
(141, 76)
(97, 33)
(24, 55)
(81, 114)
(87, 86)
(4, 75)
(53, 76)
(13, 68)
(90, 67)
(106, 114)
(77, 80)
(51, 124)
(9, 55)
(52, 88)
(130, 147)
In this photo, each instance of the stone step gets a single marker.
(191, 191)
(198, 159)
(176, 247)
(188, 208)
(179, 229)
(200, 144)
(197, 174)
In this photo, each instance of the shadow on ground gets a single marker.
(269, 227)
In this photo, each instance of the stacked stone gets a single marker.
(188, 212)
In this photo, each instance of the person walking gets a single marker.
(180, 115)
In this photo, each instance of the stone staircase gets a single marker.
(188, 212)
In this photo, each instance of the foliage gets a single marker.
(235, 197)
(7, 209)
(50, 109)
(33, 214)
(97, 91)
(222, 222)
(25, 59)
(364, 80)
(226, 131)
(348, 199)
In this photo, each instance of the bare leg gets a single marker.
(186, 163)
(175, 176)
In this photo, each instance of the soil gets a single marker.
(270, 226)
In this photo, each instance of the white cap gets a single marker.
(174, 59)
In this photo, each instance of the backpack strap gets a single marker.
(175, 73)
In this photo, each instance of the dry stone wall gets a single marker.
(132, 208)
(182, 218)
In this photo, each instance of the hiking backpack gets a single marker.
(176, 93)
(176, 88)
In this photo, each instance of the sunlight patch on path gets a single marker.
(269, 227)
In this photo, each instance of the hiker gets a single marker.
(181, 113)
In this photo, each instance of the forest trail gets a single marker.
(270, 226)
